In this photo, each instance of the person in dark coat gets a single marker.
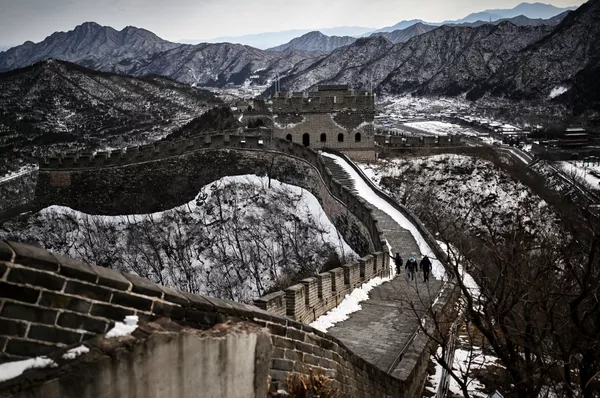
(399, 262)
(411, 268)
(425, 267)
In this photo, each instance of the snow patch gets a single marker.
(75, 352)
(10, 370)
(556, 91)
(123, 328)
(350, 304)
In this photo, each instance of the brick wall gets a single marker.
(313, 297)
(48, 302)
(156, 182)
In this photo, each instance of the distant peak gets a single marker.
(314, 33)
(89, 25)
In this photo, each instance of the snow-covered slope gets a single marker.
(235, 240)
(468, 190)
(56, 104)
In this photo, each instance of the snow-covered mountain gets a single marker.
(90, 45)
(216, 65)
(447, 60)
(56, 104)
(139, 52)
(568, 58)
(316, 41)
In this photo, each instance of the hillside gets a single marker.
(567, 58)
(90, 45)
(204, 246)
(58, 105)
(444, 61)
(315, 41)
(138, 52)
(404, 35)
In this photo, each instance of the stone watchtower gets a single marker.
(332, 117)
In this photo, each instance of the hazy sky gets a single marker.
(174, 20)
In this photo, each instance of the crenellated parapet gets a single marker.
(159, 150)
(313, 297)
(50, 303)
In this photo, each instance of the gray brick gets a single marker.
(282, 364)
(29, 349)
(76, 269)
(6, 252)
(143, 286)
(33, 256)
(167, 310)
(19, 293)
(53, 334)
(174, 296)
(131, 301)
(198, 302)
(306, 348)
(9, 327)
(110, 312)
(80, 322)
(60, 301)
(111, 278)
(35, 278)
(28, 313)
(92, 292)
(283, 343)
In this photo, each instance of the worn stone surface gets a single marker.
(157, 360)
(388, 320)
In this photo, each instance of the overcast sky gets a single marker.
(175, 20)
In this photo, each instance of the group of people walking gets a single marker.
(412, 267)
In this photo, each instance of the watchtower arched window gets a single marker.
(341, 137)
(357, 137)
(323, 137)
(288, 137)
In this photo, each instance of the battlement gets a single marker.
(313, 297)
(159, 150)
(334, 98)
(51, 303)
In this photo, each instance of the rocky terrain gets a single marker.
(465, 190)
(315, 41)
(91, 45)
(534, 62)
(139, 52)
(56, 105)
(404, 35)
(444, 61)
(566, 59)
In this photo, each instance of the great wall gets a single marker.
(48, 301)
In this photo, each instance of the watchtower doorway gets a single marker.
(306, 139)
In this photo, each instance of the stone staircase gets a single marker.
(383, 331)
